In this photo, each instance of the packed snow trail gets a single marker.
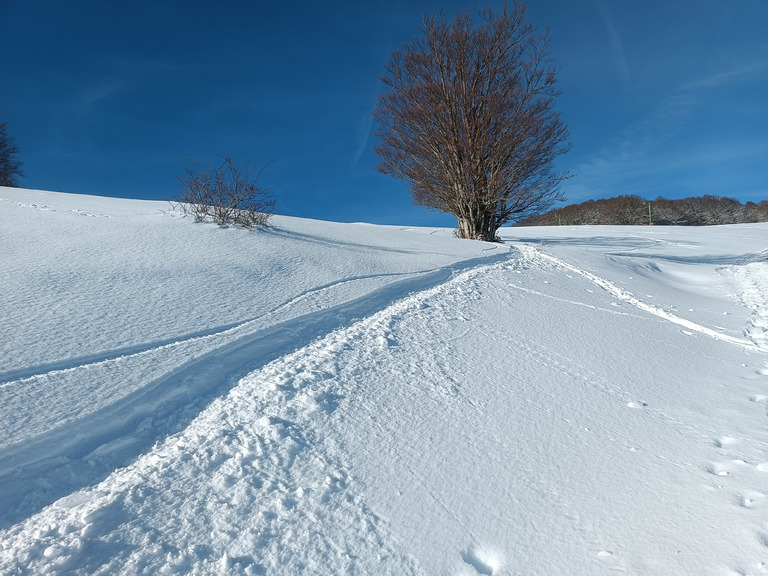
(532, 254)
(85, 447)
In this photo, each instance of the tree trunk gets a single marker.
(480, 227)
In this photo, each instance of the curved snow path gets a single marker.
(172, 382)
(534, 255)
(23, 375)
(261, 446)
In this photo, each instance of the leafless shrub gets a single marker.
(228, 194)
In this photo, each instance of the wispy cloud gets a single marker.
(125, 73)
(632, 151)
(668, 139)
(617, 45)
(364, 130)
(98, 92)
(728, 77)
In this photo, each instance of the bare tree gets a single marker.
(10, 167)
(229, 194)
(468, 120)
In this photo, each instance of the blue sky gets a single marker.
(662, 97)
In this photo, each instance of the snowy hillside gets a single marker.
(321, 398)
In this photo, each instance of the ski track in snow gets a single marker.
(183, 376)
(730, 459)
(532, 254)
(230, 331)
(750, 274)
(754, 295)
(280, 466)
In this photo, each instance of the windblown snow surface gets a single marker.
(322, 398)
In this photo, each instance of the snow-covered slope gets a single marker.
(352, 399)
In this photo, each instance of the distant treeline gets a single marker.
(633, 210)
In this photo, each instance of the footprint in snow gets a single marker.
(604, 554)
(724, 441)
(610, 559)
(482, 560)
(751, 498)
(725, 468)
(718, 469)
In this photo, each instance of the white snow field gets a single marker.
(322, 398)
